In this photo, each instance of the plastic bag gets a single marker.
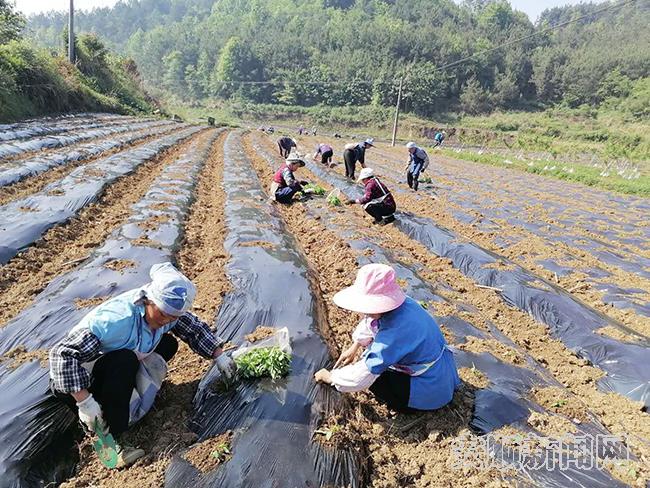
(148, 382)
(280, 338)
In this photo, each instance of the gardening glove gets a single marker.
(90, 412)
(304, 182)
(226, 366)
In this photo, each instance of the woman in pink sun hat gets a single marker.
(406, 362)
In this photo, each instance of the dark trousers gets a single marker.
(326, 157)
(112, 382)
(393, 389)
(350, 158)
(413, 176)
(284, 152)
(380, 210)
(284, 195)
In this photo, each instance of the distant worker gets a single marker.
(325, 152)
(98, 369)
(417, 163)
(313, 132)
(353, 153)
(439, 138)
(377, 199)
(286, 145)
(285, 185)
(405, 361)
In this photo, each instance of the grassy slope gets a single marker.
(34, 82)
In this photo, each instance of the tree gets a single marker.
(174, 72)
(506, 92)
(614, 85)
(11, 22)
(426, 88)
(237, 63)
(474, 100)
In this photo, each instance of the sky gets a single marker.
(532, 7)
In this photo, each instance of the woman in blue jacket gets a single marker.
(405, 362)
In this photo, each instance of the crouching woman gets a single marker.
(405, 361)
(128, 338)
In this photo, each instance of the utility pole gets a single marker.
(71, 54)
(399, 101)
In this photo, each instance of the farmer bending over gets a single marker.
(285, 185)
(353, 153)
(377, 199)
(439, 138)
(405, 361)
(129, 336)
(417, 163)
(325, 152)
(285, 145)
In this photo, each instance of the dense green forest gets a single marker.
(352, 52)
(35, 81)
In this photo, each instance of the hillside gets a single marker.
(345, 52)
(36, 81)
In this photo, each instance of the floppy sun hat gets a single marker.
(295, 159)
(370, 142)
(375, 290)
(366, 173)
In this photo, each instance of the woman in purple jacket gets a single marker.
(377, 199)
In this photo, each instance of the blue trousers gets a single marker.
(413, 175)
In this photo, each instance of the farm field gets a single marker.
(541, 286)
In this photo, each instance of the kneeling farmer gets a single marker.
(377, 199)
(406, 363)
(122, 336)
(285, 185)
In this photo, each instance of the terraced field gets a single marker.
(542, 287)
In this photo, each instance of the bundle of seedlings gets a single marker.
(314, 189)
(267, 358)
(264, 362)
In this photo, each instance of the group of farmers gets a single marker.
(103, 369)
(377, 200)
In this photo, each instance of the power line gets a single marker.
(395, 81)
(529, 36)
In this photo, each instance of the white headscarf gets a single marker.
(170, 290)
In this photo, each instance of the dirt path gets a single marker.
(164, 431)
(64, 246)
(36, 183)
(617, 413)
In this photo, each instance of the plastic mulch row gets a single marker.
(51, 125)
(568, 319)
(24, 221)
(487, 198)
(615, 254)
(82, 133)
(273, 421)
(37, 431)
(15, 171)
(508, 398)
